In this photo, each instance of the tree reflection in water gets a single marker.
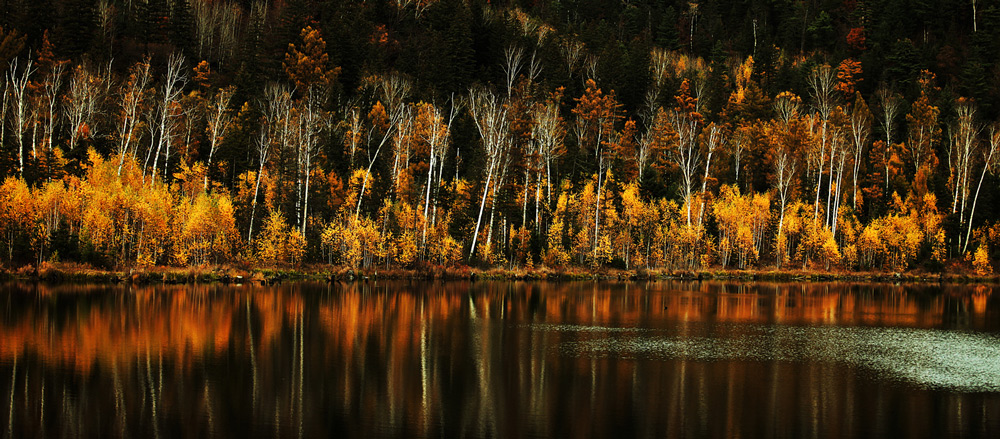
(503, 359)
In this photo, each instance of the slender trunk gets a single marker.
(3, 113)
(836, 203)
(427, 197)
(548, 182)
(305, 201)
(819, 171)
(968, 233)
(597, 209)
(524, 205)
(687, 202)
(975, 27)
(482, 204)
(854, 177)
(253, 208)
(830, 186)
(538, 199)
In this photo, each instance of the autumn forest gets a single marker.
(636, 135)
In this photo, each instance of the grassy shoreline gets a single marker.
(75, 273)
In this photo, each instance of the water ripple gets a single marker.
(934, 359)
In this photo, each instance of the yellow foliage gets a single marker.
(278, 242)
(981, 261)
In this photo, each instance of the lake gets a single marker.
(500, 359)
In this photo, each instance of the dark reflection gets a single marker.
(506, 359)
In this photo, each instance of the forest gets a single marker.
(635, 135)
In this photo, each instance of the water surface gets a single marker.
(502, 359)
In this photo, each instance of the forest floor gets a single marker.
(252, 274)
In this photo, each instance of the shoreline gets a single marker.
(73, 273)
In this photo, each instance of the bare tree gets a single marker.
(647, 141)
(19, 103)
(393, 90)
(312, 119)
(684, 151)
(513, 63)
(890, 104)
(963, 148)
(401, 143)
(572, 52)
(166, 109)
(354, 126)
(737, 148)
(990, 158)
(840, 158)
(714, 140)
(591, 64)
(784, 173)
(861, 128)
(132, 96)
(549, 131)
(52, 88)
(4, 95)
(821, 87)
(277, 106)
(659, 62)
(219, 121)
(86, 91)
(263, 146)
(490, 117)
(436, 133)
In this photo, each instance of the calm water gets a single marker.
(510, 359)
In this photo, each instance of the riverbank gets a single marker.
(228, 274)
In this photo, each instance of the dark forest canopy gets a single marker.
(638, 134)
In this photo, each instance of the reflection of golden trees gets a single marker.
(452, 358)
(184, 323)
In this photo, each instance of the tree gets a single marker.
(384, 120)
(83, 101)
(132, 94)
(889, 106)
(549, 131)
(963, 147)
(990, 162)
(219, 121)
(821, 87)
(860, 129)
(683, 148)
(19, 86)
(922, 122)
(596, 117)
(308, 64)
(166, 110)
(490, 117)
(435, 131)
(52, 86)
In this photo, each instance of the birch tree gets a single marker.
(890, 104)
(684, 152)
(219, 121)
(392, 91)
(822, 83)
(490, 117)
(990, 159)
(167, 111)
(83, 98)
(52, 87)
(964, 145)
(19, 79)
(860, 130)
(132, 98)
